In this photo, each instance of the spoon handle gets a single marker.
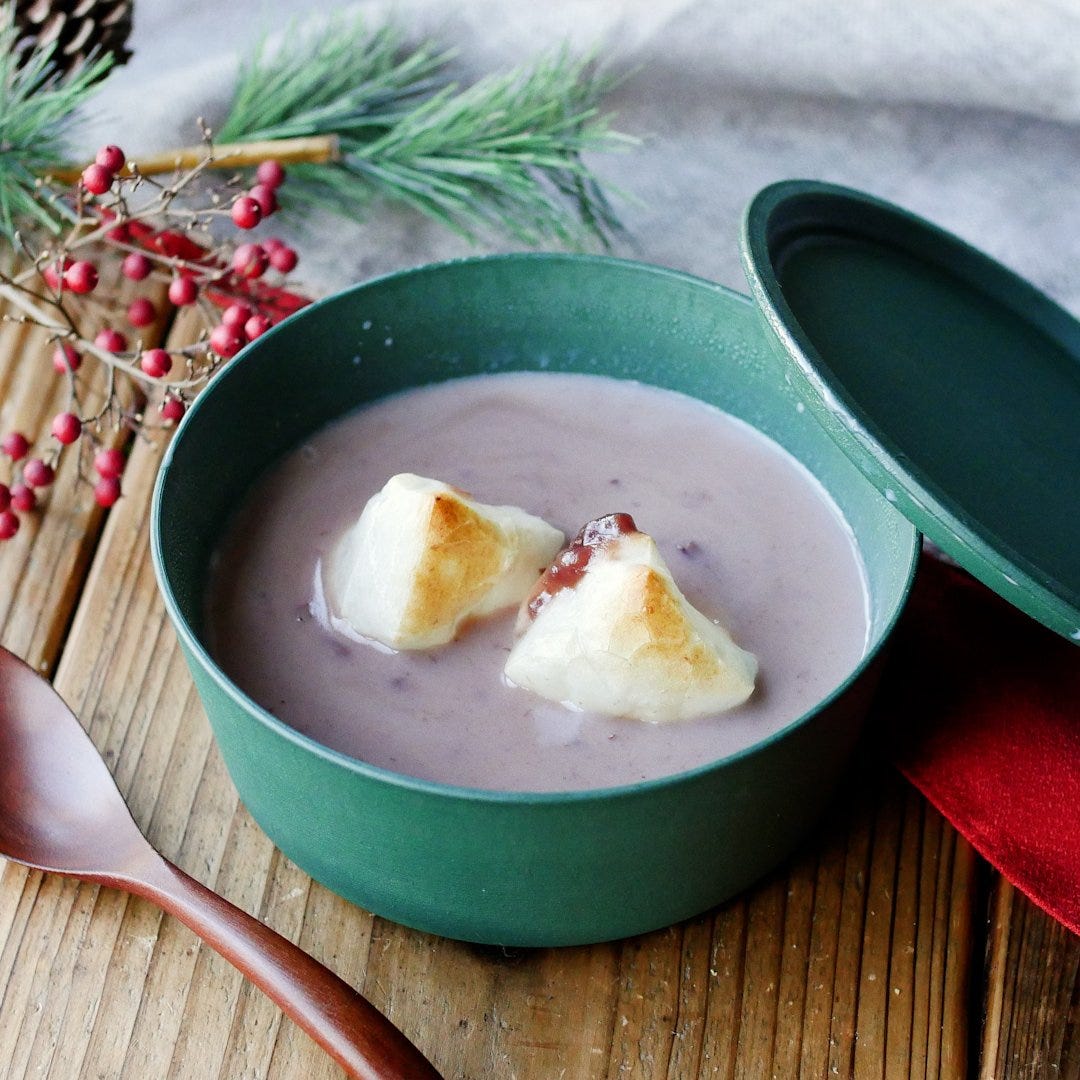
(342, 1021)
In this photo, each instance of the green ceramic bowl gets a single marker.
(496, 867)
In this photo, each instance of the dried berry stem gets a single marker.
(21, 299)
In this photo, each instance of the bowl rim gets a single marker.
(461, 793)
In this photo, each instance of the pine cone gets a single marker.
(78, 27)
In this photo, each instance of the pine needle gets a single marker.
(340, 79)
(37, 107)
(504, 154)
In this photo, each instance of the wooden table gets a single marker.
(884, 948)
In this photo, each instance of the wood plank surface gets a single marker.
(856, 958)
(1032, 995)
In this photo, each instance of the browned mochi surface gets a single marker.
(463, 557)
(607, 629)
(657, 631)
(424, 559)
(652, 626)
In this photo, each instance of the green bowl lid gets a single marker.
(953, 384)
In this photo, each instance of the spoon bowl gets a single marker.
(61, 812)
(60, 809)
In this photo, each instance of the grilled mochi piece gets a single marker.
(607, 630)
(424, 557)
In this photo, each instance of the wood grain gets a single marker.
(855, 958)
(1032, 996)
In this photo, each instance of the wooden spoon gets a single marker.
(60, 811)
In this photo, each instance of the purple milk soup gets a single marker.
(750, 537)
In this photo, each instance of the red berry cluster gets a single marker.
(109, 466)
(36, 473)
(146, 242)
(261, 201)
(249, 262)
(98, 177)
(20, 495)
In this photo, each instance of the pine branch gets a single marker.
(506, 153)
(37, 107)
(375, 119)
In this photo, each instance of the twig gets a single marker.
(314, 149)
(19, 299)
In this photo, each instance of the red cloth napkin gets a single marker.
(985, 704)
